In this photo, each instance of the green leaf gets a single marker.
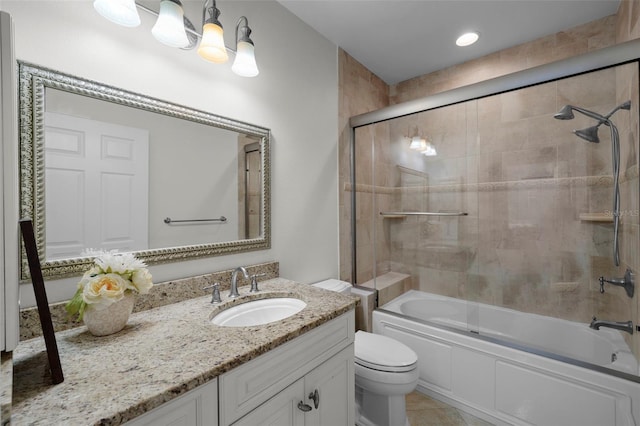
(76, 305)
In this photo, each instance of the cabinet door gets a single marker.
(198, 407)
(280, 410)
(330, 390)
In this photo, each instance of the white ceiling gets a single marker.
(401, 39)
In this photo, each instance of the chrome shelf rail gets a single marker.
(169, 221)
(395, 214)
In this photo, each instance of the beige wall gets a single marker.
(361, 92)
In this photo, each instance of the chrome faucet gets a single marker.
(627, 282)
(626, 326)
(234, 281)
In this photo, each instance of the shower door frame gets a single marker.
(619, 54)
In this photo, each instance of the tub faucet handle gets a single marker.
(627, 282)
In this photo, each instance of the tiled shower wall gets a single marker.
(362, 91)
(528, 186)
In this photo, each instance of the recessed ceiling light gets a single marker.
(467, 39)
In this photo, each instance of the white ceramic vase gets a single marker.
(102, 322)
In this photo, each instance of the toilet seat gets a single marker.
(382, 353)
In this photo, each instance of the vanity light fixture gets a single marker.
(467, 39)
(174, 29)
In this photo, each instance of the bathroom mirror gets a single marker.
(104, 168)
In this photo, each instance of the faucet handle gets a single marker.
(215, 293)
(601, 279)
(254, 282)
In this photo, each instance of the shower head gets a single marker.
(590, 134)
(566, 113)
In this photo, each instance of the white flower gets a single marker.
(111, 276)
(141, 279)
(88, 276)
(102, 290)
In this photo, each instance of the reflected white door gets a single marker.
(96, 186)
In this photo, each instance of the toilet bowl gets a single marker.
(385, 369)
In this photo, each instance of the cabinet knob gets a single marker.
(304, 407)
(315, 396)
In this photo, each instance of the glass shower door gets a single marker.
(417, 208)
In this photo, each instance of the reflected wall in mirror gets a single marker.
(104, 168)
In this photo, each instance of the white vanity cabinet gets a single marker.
(308, 381)
(198, 407)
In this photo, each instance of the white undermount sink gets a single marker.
(258, 312)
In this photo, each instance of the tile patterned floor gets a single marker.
(425, 411)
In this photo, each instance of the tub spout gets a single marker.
(626, 326)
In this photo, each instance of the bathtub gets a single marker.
(515, 368)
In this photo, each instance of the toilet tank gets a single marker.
(367, 296)
(334, 285)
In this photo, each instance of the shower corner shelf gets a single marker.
(596, 217)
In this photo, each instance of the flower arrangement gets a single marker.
(112, 275)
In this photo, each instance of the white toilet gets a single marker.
(386, 370)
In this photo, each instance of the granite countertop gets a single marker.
(6, 380)
(161, 354)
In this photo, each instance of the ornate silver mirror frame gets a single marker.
(33, 80)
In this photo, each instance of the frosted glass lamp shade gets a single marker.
(245, 63)
(169, 28)
(121, 12)
(418, 143)
(430, 150)
(212, 46)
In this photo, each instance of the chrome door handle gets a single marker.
(304, 407)
(315, 396)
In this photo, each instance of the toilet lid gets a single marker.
(383, 353)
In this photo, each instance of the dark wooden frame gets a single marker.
(26, 226)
